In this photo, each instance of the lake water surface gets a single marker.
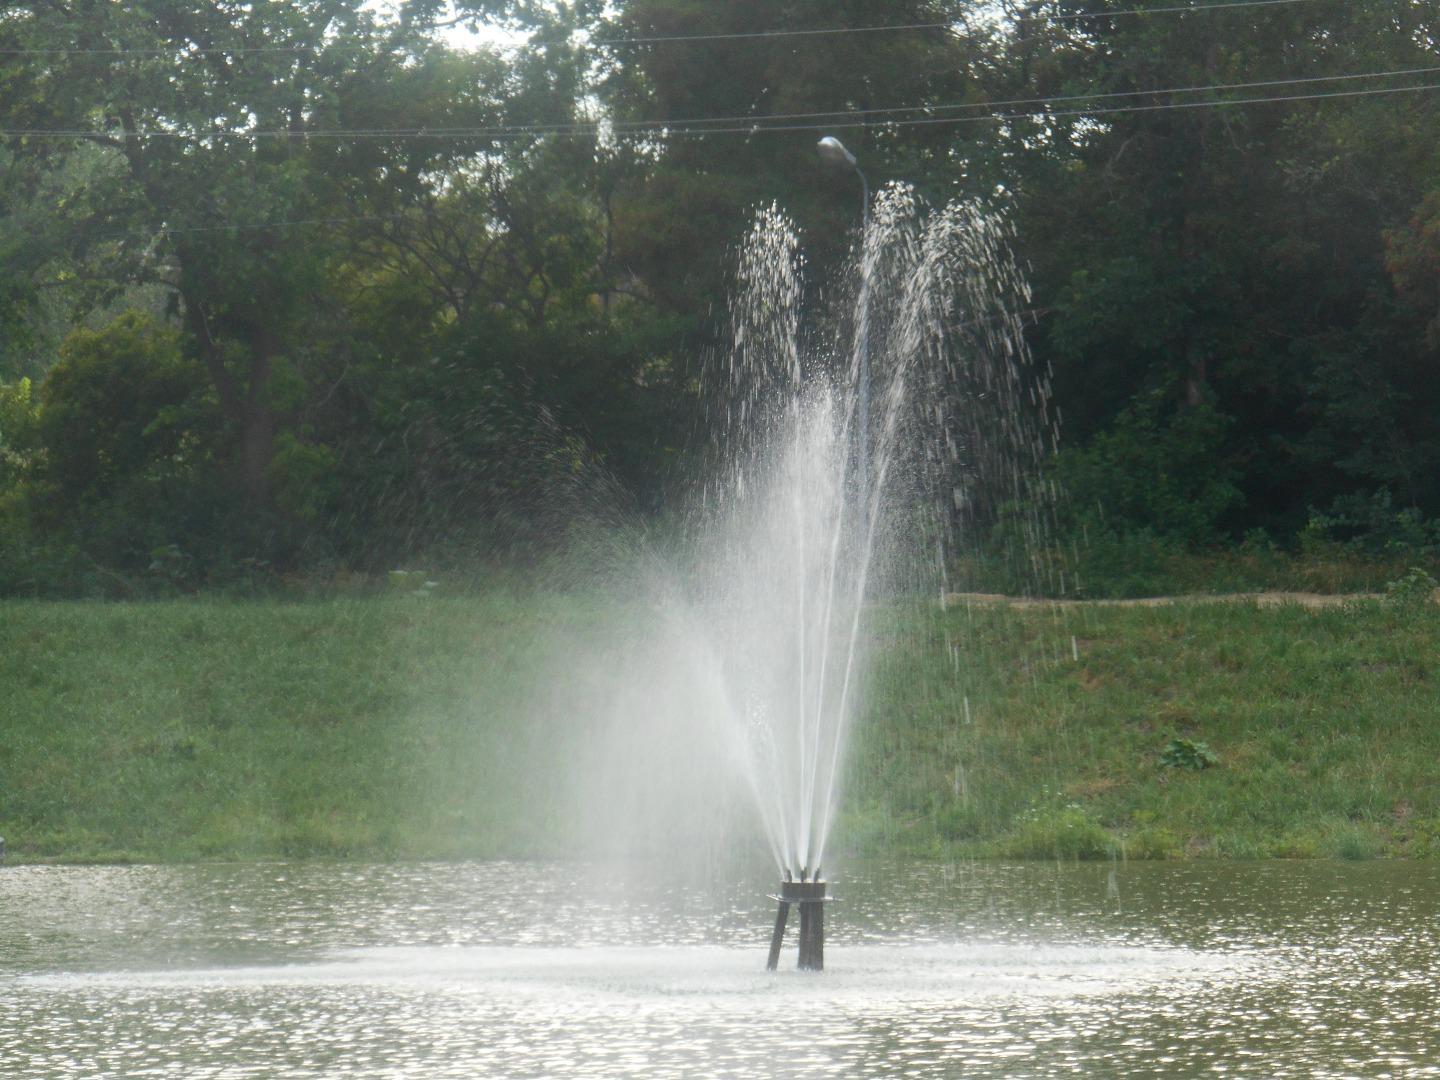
(557, 970)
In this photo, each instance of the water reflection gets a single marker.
(504, 969)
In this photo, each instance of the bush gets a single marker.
(1153, 843)
(1370, 524)
(127, 444)
(120, 402)
(1160, 470)
(1065, 832)
(1185, 754)
(1355, 843)
(1413, 591)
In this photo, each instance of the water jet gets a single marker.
(863, 429)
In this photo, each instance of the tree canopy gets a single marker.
(305, 285)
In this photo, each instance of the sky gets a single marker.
(460, 37)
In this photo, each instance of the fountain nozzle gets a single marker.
(811, 898)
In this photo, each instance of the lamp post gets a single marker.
(833, 152)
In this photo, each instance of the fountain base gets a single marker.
(810, 897)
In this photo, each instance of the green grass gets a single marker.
(1323, 724)
(1108, 566)
(192, 730)
(407, 727)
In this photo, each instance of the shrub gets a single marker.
(1355, 843)
(1064, 832)
(125, 444)
(1185, 754)
(1411, 592)
(1370, 524)
(1153, 843)
(1159, 469)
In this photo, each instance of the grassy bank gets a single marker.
(189, 730)
(1184, 730)
(410, 727)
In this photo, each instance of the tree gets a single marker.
(679, 219)
(1233, 253)
(123, 439)
(234, 181)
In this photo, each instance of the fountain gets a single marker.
(757, 650)
(811, 898)
(855, 445)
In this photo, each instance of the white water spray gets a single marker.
(814, 502)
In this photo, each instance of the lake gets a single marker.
(503, 969)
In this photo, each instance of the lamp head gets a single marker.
(833, 151)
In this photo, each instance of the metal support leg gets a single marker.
(779, 936)
(812, 937)
(810, 897)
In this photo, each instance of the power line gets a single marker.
(303, 222)
(1222, 103)
(657, 39)
(229, 226)
(851, 125)
(1078, 16)
(1084, 15)
(234, 226)
(834, 119)
(1004, 104)
(756, 129)
(1171, 10)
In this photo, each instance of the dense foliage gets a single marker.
(298, 288)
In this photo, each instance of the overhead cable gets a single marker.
(625, 125)
(758, 125)
(658, 39)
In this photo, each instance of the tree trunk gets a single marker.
(1196, 370)
(243, 403)
(257, 453)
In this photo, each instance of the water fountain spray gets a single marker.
(833, 152)
(809, 893)
(850, 447)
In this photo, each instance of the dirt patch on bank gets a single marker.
(1259, 599)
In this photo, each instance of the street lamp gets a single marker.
(832, 151)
